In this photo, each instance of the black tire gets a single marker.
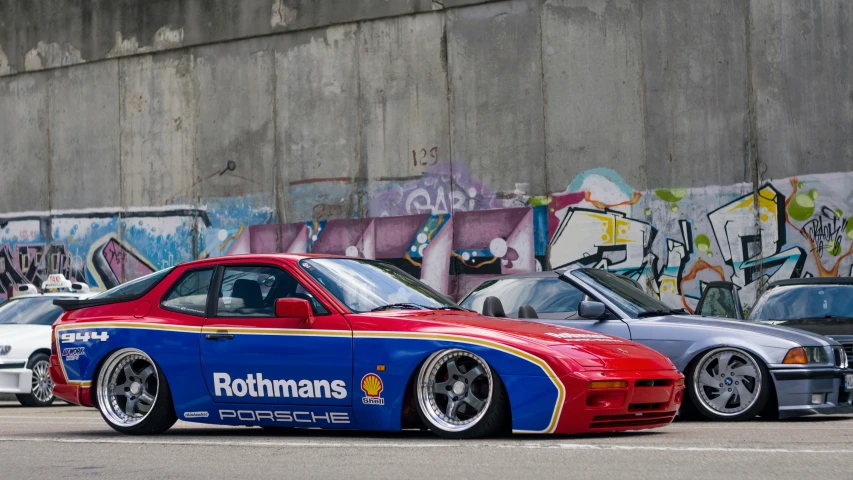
(30, 399)
(697, 406)
(496, 421)
(161, 415)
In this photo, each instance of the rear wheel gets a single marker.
(460, 396)
(728, 384)
(133, 395)
(41, 394)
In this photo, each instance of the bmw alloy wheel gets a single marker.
(454, 389)
(42, 387)
(727, 382)
(128, 386)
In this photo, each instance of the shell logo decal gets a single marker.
(371, 385)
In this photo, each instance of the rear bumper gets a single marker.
(76, 394)
(650, 400)
(16, 380)
(812, 391)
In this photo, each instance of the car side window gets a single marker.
(251, 291)
(189, 294)
(549, 295)
(718, 302)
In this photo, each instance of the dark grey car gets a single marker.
(818, 305)
(735, 370)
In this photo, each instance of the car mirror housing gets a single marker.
(591, 310)
(295, 308)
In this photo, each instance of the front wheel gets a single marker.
(133, 395)
(41, 394)
(460, 396)
(728, 384)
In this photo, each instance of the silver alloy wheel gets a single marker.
(455, 389)
(727, 381)
(127, 387)
(42, 387)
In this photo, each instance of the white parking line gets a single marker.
(63, 417)
(406, 445)
(79, 423)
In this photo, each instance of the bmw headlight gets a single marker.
(4, 349)
(806, 355)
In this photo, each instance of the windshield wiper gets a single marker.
(825, 317)
(450, 307)
(407, 306)
(660, 313)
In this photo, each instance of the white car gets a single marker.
(25, 328)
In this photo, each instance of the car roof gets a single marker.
(814, 281)
(549, 274)
(261, 257)
(53, 294)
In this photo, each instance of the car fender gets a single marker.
(535, 391)
(762, 353)
(25, 341)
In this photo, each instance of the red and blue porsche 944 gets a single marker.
(336, 342)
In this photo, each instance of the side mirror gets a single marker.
(295, 308)
(591, 310)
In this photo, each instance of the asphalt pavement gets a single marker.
(72, 442)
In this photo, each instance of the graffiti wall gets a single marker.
(453, 232)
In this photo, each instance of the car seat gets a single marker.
(492, 307)
(249, 291)
(526, 311)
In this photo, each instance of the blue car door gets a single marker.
(250, 356)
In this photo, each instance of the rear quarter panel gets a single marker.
(86, 337)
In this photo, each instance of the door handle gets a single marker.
(219, 336)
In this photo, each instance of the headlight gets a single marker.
(806, 355)
(4, 349)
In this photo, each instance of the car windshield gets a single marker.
(137, 286)
(30, 311)
(624, 295)
(794, 302)
(544, 294)
(366, 285)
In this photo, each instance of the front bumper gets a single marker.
(812, 391)
(14, 377)
(650, 400)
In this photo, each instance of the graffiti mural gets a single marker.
(671, 240)
(102, 248)
(444, 189)
(453, 232)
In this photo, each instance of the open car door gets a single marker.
(720, 299)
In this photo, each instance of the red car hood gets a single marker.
(591, 350)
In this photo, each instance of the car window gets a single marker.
(364, 285)
(794, 302)
(189, 294)
(135, 287)
(545, 295)
(718, 302)
(248, 291)
(627, 297)
(30, 311)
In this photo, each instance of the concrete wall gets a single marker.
(676, 142)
